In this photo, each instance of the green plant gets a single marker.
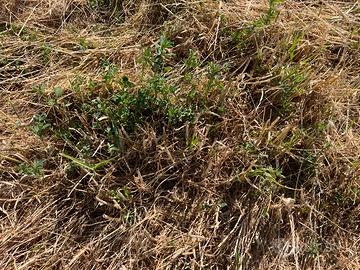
(58, 91)
(36, 168)
(241, 36)
(78, 81)
(84, 44)
(46, 51)
(213, 75)
(22, 32)
(295, 138)
(123, 196)
(290, 82)
(40, 124)
(120, 195)
(110, 71)
(313, 248)
(192, 61)
(156, 59)
(295, 42)
(91, 167)
(193, 142)
(267, 178)
(162, 53)
(191, 64)
(120, 105)
(322, 126)
(269, 16)
(39, 89)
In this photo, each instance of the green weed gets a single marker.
(84, 44)
(35, 168)
(39, 89)
(77, 82)
(313, 248)
(267, 178)
(120, 195)
(46, 51)
(40, 124)
(110, 71)
(241, 36)
(120, 104)
(269, 16)
(91, 167)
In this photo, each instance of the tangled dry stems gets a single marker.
(265, 175)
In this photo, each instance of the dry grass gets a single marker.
(250, 160)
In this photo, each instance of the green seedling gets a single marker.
(46, 51)
(35, 168)
(40, 124)
(39, 89)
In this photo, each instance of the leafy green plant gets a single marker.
(213, 72)
(268, 178)
(156, 59)
(36, 168)
(40, 124)
(110, 71)
(120, 195)
(192, 61)
(269, 16)
(22, 32)
(123, 196)
(120, 105)
(58, 91)
(241, 36)
(46, 51)
(313, 248)
(84, 44)
(77, 82)
(39, 89)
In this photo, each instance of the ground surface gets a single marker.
(179, 134)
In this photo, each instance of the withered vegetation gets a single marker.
(178, 134)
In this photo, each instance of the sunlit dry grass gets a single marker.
(247, 156)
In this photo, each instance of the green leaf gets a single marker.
(86, 165)
(58, 92)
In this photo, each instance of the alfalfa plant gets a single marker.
(110, 71)
(156, 59)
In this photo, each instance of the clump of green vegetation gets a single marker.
(36, 168)
(241, 37)
(41, 124)
(290, 84)
(124, 105)
(46, 51)
(268, 179)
